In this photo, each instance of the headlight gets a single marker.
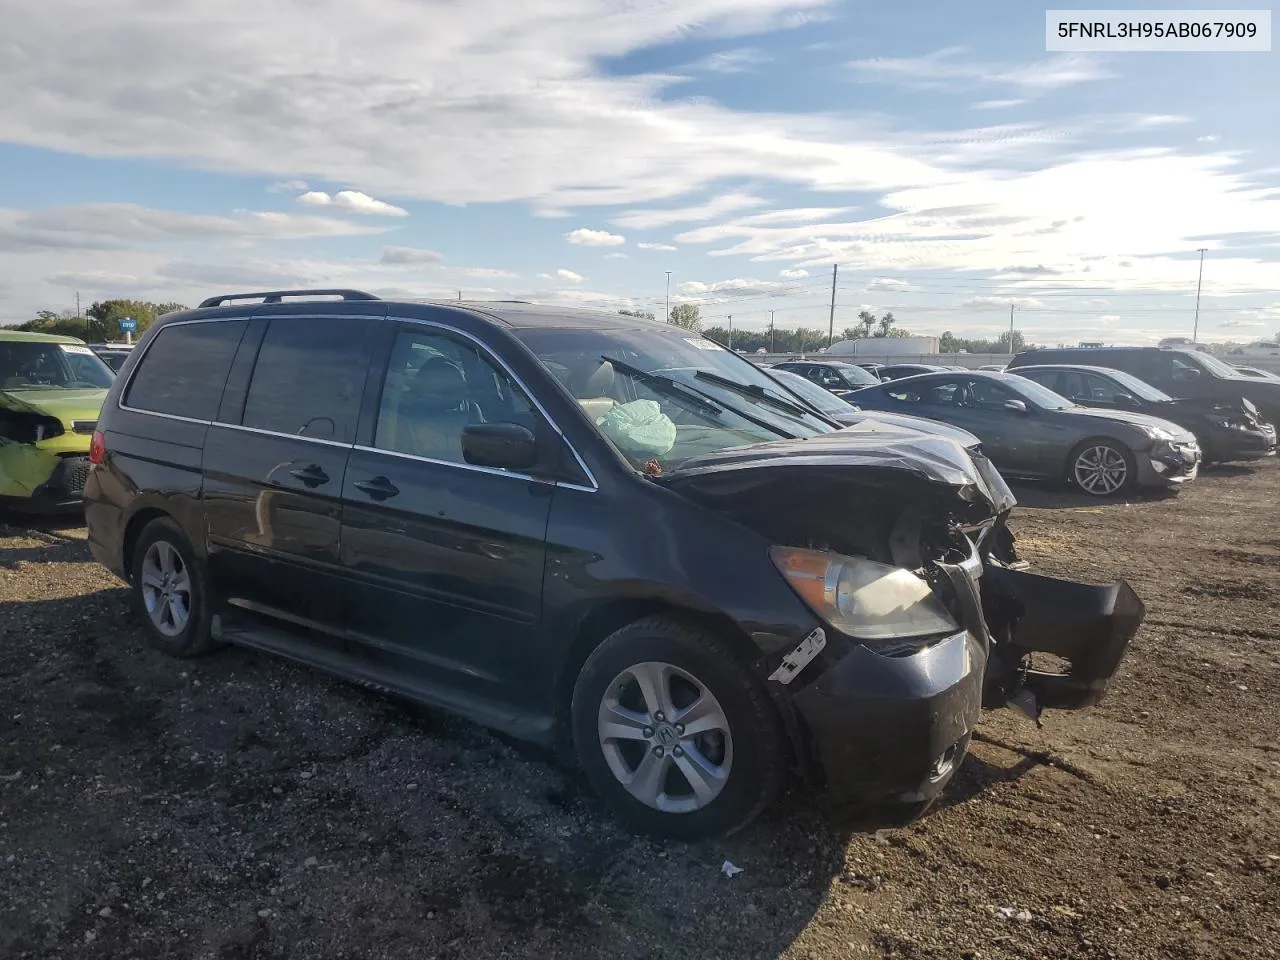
(1158, 433)
(863, 599)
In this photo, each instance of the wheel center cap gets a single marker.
(666, 735)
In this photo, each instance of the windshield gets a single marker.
(653, 406)
(856, 375)
(1212, 364)
(824, 400)
(1139, 388)
(1042, 397)
(47, 366)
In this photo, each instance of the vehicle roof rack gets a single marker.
(277, 296)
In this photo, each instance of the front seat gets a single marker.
(434, 412)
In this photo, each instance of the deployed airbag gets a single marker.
(639, 428)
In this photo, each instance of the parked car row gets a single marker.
(1052, 416)
(580, 526)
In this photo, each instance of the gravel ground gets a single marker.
(241, 807)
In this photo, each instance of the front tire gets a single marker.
(1102, 468)
(675, 733)
(170, 590)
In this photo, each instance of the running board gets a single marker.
(394, 676)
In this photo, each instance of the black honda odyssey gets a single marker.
(583, 525)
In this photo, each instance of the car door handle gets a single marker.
(379, 488)
(312, 475)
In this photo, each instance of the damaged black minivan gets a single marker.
(588, 528)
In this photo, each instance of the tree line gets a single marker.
(101, 320)
(800, 339)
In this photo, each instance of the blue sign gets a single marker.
(128, 325)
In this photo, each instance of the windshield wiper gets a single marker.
(673, 386)
(754, 391)
(689, 392)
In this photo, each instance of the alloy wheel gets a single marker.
(166, 588)
(1101, 470)
(665, 737)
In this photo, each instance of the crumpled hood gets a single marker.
(65, 405)
(1134, 419)
(866, 448)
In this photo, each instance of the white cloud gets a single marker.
(1004, 302)
(351, 201)
(94, 280)
(793, 274)
(113, 225)
(569, 276)
(656, 246)
(586, 237)
(486, 273)
(286, 186)
(736, 288)
(410, 255)
(889, 284)
(1209, 138)
(740, 60)
(616, 256)
(999, 104)
(710, 210)
(946, 69)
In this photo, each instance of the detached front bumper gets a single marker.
(894, 728)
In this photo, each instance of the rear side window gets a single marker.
(309, 377)
(185, 369)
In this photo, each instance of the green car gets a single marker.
(51, 389)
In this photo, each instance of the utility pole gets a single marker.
(1011, 329)
(459, 294)
(731, 331)
(772, 342)
(78, 315)
(831, 322)
(1195, 331)
(667, 318)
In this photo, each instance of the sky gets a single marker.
(576, 151)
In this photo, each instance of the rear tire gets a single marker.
(675, 733)
(170, 590)
(1102, 467)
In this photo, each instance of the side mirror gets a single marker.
(505, 445)
(1017, 406)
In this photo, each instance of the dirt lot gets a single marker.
(238, 806)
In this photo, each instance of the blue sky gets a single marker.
(573, 151)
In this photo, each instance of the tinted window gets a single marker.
(1081, 385)
(1046, 378)
(308, 377)
(436, 386)
(185, 369)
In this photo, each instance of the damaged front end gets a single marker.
(43, 461)
(928, 505)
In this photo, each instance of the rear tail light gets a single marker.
(97, 447)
